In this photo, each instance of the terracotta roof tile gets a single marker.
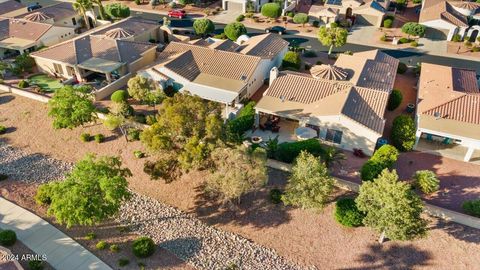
(441, 9)
(22, 29)
(9, 6)
(265, 46)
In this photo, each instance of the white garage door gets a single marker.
(234, 6)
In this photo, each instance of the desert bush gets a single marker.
(91, 236)
(240, 18)
(114, 248)
(119, 96)
(403, 133)
(383, 158)
(143, 247)
(291, 60)
(271, 10)
(43, 195)
(426, 181)
(133, 134)
(7, 238)
(387, 23)
(472, 207)
(402, 68)
(101, 245)
(414, 43)
(404, 40)
(85, 137)
(456, 38)
(383, 37)
(99, 138)
(234, 30)
(3, 129)
(288, 151)
(394, 100)
(124, 261)
(23, 84)
(347, 213)
(138, 154)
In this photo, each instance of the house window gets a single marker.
(58, 68)
(243, 93)
(70, 71)
(334, 136)
(74, 21)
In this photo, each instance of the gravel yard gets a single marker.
(305, 237)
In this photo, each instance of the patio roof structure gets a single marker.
(100, 65)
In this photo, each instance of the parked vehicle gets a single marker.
(276, 29)
(33, 7)
(177, 13)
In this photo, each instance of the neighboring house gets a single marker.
(11, 8)
(19, 36)
(219, 70)
(324, 14)
(448, 111)
(344, 102)
(363, 13)
(240, 6)
(103, 56)
(442, 19)
(61, 14)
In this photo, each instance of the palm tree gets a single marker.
(100, 8)
(81, 6)
(331, 155)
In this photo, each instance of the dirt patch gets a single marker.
(306, 237)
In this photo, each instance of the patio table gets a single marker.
(305, 133)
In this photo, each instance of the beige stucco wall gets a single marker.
(67, 22)
(147, 35)
(57, 34)
(147, 58)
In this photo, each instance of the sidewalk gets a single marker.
(62, 252)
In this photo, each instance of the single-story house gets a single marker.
(19, 36)
(107, 55)
(219, 70)
(240, 6)
(11, 8)
(345, 103)
(359, 12)
(324, 14)
(61, 14)
(442, 20)
(448, 112)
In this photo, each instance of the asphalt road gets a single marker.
(408, 57)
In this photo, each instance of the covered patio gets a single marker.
(14, 46)
(270, 126)
(100, 72)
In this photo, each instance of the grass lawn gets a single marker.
(47, 84)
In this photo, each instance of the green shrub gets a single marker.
(383, 37)
(383, 158)
(394, 100)
(36, 265)
(414, 43)
(220, 36)
(90, 236)
(234, 30)
(315, 23)
(288, 151)
(456, 38)
(119, 96)
(403, 133)
(387, 23)
(114, 248)
(290, 14)
(347, 213)
(138, 154)
(99, 138)
(101, 245)
(404, 40)
(271, 10)
(472, 207)
(244, 121)
(133, 134)
(3, 129)
(402, 68)
(150, 119)
(23, 84)
(310, 54)
(291, 60)
(43, 195)
(240, 18)
(85, 137)
(143, 247)
(3, 177)
(426, 181)
(124, 261)
(468, 44)
(300, 18)
(7, 238)
(276, 196)
(476, 49)
(249, 15)
(137, 2)
(416, 2)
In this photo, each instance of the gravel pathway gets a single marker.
(190, 239)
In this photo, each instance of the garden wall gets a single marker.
(109, 89)
(24, 93)
(432, 210)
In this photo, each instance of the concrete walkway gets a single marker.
(62, 252)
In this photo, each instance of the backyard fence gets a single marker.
(24, 93)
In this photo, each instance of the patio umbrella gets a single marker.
(304, 133)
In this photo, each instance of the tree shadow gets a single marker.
(393, 256)
(5, 98)
(10, 130)
(255, 209)
(184, 248)
(458, 231)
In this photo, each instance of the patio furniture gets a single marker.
(305, 133)
(410, 107)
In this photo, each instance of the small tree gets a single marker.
(291, 60)
(347, 213)
(332, 36)
(71, 107)
(271, 10)
(403, 132)
(22, 64)
(391, 208)
(300, 18)
(394, 100)
(426, 181)
(310, 185)
(383, 158)
(413, 29)
(144, 90)
(91, 193)
(237, 171)
(235, 30)
(117, 10)
(203, 27)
